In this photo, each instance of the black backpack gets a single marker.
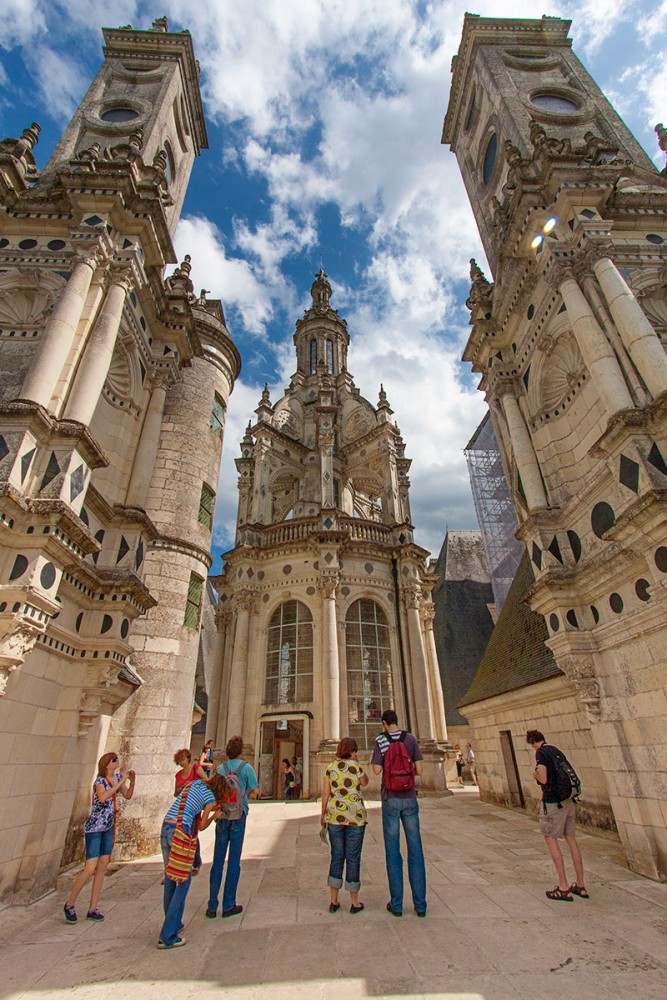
(564, 783)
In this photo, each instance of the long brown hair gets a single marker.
(103, 763)
(220, 787)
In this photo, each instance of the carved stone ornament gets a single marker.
(321, 293)
(179, 282)
(17, 638)
(581, 671)
(661, 133)
(328, 585)
(481, 290)
(245, 600)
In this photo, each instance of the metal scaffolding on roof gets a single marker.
(495, 511)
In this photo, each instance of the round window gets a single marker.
(490, 158)
(119, 115)
(554, 103)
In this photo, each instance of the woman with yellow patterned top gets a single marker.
(344, 814)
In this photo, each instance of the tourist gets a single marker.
(288, 778)
(298, 778)
(229, 833)
(459, 766)
(99, 831)
(471, 761)
(203, 801)
(188, 772)
(397, 757)
(206, 757)
(344, 815)
(557, 819)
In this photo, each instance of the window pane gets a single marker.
(289, 659)
(369, 682)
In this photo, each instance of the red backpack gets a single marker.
(399, 768)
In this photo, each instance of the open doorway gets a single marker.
(511, 769)
(280, 739)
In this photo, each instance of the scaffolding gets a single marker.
(494, 508)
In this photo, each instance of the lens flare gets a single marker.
(549, 224)
(536, 242)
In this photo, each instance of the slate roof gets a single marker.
(463, 624)
(516, 654)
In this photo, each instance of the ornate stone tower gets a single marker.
(570, 342)
(325, 609)
(114, 386)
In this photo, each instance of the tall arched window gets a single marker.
(369, 682)
(289, 655)
(330, 357)
(313, 356)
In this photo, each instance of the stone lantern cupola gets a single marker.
(321, 337)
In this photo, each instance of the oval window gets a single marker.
(170, 169)
(490, 158)
(119, 115)
(554, 103)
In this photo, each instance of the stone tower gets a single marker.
(113, 393)
(570, 342)
(325, 611)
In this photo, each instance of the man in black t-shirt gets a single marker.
(556, 820)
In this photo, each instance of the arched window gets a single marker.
(313, 356)
(330, 357)
(289, 655)
(369, 681)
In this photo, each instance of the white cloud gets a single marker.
(22, 21)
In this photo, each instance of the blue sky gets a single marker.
(324, 122)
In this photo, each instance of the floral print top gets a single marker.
(345, 806)
(103, 814)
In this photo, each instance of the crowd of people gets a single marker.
(204, 795)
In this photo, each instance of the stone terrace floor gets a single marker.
(490, 933)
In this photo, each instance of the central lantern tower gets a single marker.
(325, 615)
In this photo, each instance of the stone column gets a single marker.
(149, 442)
(522, 446)
(245, 602)
(418, 668)
(330, 665)
(435, 680)
(638, 335)
(227, 624)
(59, 333)
(596, 350)
(94, 365)
(213, 708)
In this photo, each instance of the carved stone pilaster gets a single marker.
(581, 671)
(17, 638)
(328, 585)
(245, 600)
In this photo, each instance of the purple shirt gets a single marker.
(381, 745)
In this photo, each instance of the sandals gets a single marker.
(334, 907)
(558, 893)
(357, 909)
(579, 890)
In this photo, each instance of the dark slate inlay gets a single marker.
(526, 376)
(77, 623)
(537, 555)
(93, 220)
(310, 591)
(26, 461)
(572, 618)
(52, 471)
(554, 623)
(4, 450)
(661, 558)
(575, 544)
(84, 517)
(99, 537)
(124, 628)
(641, 590)
(287, 569)
(345, 591)
(531, 311)
(251, 572)
(56, 244)
(656, 459)
(27, 244)
(139, 557)
(328, 558)
(616, 603)
(368, 567)
(265, 598)
(76, 482)
(602, 518)
(562, 309)
(595, 613)
(48, 576)
(554, 549)
(651, 237)
(123, 549)
(19, 567)
(260, 574)
(629, 473)
(143, 371)
(107, 622)
(328, 523)
(519, 487)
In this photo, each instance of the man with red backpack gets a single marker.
(397, 757)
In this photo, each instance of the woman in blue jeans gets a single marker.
(205, 801)
(344, 815)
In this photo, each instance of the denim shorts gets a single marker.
(98, 845)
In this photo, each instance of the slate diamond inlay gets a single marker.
(76, 483)
(4, 450)
(25, 463)
(537, 555)
(328, 558)
(123, 549)
(656, 459)
(52, 470)
(629, 473)
(554, 549)
(328, 523)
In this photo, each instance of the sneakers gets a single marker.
(70, 914)
(178, 943)
(94, 915)
(234, 910)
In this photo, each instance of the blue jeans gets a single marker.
(346, 843)
(229, 833)
(175, 893)
(395, 812)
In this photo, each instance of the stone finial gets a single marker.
(661, 133)
(265, 394)
(481, 290)
(265, 408)
(160, 24)
(136, 140)
(320, 292)
(201, 301)
(179, 282)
